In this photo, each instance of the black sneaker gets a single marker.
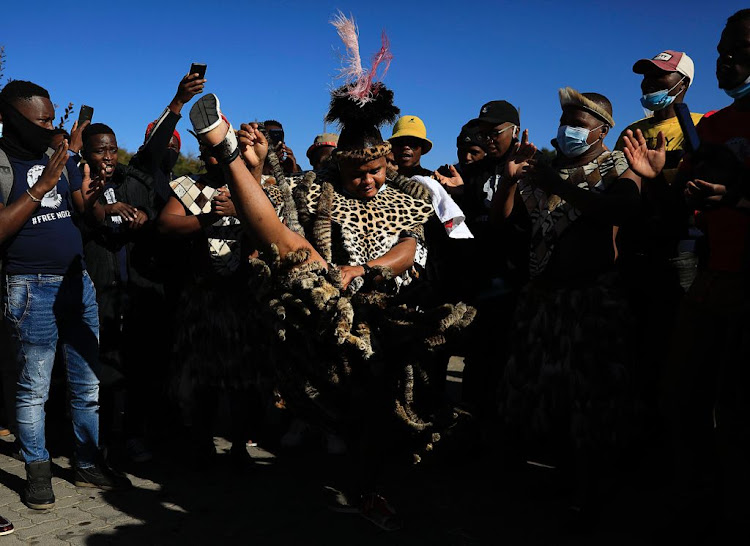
(38, 494)
(6, 527)
(101, 477)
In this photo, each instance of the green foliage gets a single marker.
(186, 164)
(123, 156)
(547, 154)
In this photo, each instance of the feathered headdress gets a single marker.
(363, 104)
(569, 96)
(359, 80)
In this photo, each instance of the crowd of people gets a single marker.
(598, 296)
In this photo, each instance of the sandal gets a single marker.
(205, 115)
(377, 510)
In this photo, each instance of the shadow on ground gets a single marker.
(456, 498)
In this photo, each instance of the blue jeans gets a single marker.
(46, 312)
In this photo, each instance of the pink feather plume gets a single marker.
(352, 72)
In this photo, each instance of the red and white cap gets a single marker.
(669, 61)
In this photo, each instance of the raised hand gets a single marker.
(52, 172)
(644, 162)
(91, 188)
(253, 145)
(518, 163)
(452, 181)
(190, 86)
(76, 136)
(100, 180)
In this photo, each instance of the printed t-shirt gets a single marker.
(49, 242)
(651, 127)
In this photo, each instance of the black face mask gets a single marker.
(22, 138)
(170, 160)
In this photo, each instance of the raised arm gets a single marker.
(517, 166)
(617, 204)
(150, 156)
(254, 209)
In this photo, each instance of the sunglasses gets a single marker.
(490, 135)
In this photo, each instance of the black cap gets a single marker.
(471, 135)
(497, 112)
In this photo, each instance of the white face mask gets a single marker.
(740, 91)
(572, 141)
(659, 100)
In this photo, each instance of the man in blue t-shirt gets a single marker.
(50, 301)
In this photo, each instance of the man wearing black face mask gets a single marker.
(156, 158)
(47, 285)
(158, 154)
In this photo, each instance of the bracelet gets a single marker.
(34, 199)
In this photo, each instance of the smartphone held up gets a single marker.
(198, 68)
(86, 113)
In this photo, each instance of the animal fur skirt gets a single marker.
(337, 355)
(568, 378)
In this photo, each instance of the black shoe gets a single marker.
(101, 477)
(6, 527)
(38, 493)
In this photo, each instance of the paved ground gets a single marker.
(460, 497)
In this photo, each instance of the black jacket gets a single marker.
(116, 255)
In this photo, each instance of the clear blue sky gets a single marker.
(278, 59)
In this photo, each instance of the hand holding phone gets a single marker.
(191, 86)
(85, 114)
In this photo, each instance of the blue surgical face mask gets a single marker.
(740, 91)
(572, 140)
(658, 100)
